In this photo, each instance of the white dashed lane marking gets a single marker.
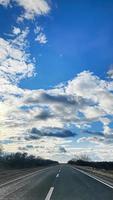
(57, 175)
(49, 193)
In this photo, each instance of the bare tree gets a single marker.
(1, 149)
(84, 157)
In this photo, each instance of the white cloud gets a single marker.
(93, 112)
(38, 29)
(14, 66)
(4, 2)
(14, 62)
(110, 72)
(16, 30)
(41, 38)
(63, 105)
(67, 102)
(32, 8)
(86, 85)
(99, 153)
(90, 87)
(79, 102)
(94, 140)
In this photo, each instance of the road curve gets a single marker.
(60, 182)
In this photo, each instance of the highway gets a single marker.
(60, 182)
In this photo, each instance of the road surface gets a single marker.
(60, 182)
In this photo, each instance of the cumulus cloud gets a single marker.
(58, 107)
(62, 149)
(22, 148)
(84, 82)
(90, 87)
(31, 8)
(44, 115)
(38, 29)
(110, 72)
(100, 140)
(4, 2)
(94, 139)
(16, 30)
(35, 133)
(14, 66)
(93, 132)
(52, 113)
(99, 153)
(41, 38)
(63, 99)
(14, 62)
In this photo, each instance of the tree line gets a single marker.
(23, 160)
(84, 160)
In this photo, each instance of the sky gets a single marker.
(56, 78)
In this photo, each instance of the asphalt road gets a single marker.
(56, 183)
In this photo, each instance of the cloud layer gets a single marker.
(46, 121)
(37, 115)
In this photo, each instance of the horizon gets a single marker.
(56, 78)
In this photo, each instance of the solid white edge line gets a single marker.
(49, 193)
(25, 176)
(99, 180)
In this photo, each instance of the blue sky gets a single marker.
(79, 37)
(56, 71)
